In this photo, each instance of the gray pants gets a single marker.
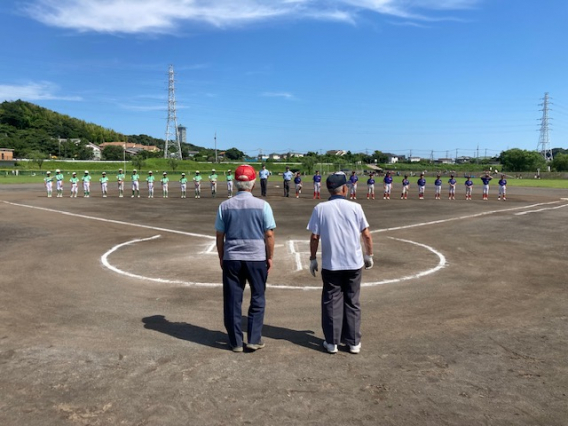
(340, 307)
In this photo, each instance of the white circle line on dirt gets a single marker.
(119, 222)
(541, 210)
(436, 222)
(104, 260)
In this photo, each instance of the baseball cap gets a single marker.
(197, 172)
(245, 173)
(183, 174)
(86, 172)
(165, 173)
(104, 173)
(336, 180)
(150, 172)
(74, 173)
(57, 171)
(47, 173)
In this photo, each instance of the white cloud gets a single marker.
(283, 95)
(168, 16)
(33, 92)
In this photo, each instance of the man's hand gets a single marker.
(368, 261)
(313, 266)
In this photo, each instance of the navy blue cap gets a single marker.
(336, 180)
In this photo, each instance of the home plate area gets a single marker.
(168, 259)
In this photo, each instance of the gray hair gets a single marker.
(245, 185)
(336, 191)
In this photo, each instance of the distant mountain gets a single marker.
(26, 127)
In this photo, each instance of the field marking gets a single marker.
(119, 222)
(436, 222)
(541, 210)
(106, 263)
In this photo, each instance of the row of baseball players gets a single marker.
(135, 183)
(263, 175)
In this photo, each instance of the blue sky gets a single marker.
(400, 76)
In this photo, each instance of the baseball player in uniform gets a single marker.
(452, 182)
(298, 184)
(230, 178)
(353, 179)
(438, 188)
(317, 185)
(263, 175)
(502, 188)
(183, 185)
(468, 188)
(213, 181)
(165, 183)
(371, 186)
(104, 184)
(120, 180)
(485, 179)
(405, 186)
(421, 186)
(135, 183)
(74, 185)
(59, 183)
(197, 182)
(387, 185)
(150, 183)
(86, 184)
(48, 180)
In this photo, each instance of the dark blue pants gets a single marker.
(340, 307)
(286, 188)
(263, 185)
(235, 275)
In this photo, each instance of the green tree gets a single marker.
(308, 164)
(234, 154)
(560, 163)
(173, 163)
(138, 162)
(38, 157)
(113, 153)
(518, 160)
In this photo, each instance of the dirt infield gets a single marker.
(111, 314)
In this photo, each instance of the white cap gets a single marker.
(165, 173)
(47, 173)
(150, 172)
(86, 172)
(57, 171)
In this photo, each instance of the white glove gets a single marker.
(368, 261)
(313, 266)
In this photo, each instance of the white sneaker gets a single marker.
(355, 349)
(332, 349)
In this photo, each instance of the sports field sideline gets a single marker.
(111, 314)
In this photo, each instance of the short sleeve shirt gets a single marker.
(339, 224)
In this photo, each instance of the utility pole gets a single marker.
(215, 147)
(172, 126)
(543, 140)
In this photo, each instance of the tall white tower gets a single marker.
(543, 140)
(172, 146)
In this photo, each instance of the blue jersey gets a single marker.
(317, 178)
(452, 182)
(297, 180)
(485, 180)
(503, 182)
(405, 182)
(353, 179)
(370, 181)
(468, 182)
(287, 175)
(263, 174)
(387, 179)
(438, 182)
(421, 182)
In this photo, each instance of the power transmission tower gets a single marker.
(172, 126)
(543, 140)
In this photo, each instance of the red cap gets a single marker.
(245, 173)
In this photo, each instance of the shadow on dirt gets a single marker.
(219, 340)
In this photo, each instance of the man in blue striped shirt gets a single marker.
(245, 245)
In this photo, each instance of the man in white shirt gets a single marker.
(340, 224)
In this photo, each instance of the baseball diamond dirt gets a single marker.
(111, 314)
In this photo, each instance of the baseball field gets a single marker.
(111, 314)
